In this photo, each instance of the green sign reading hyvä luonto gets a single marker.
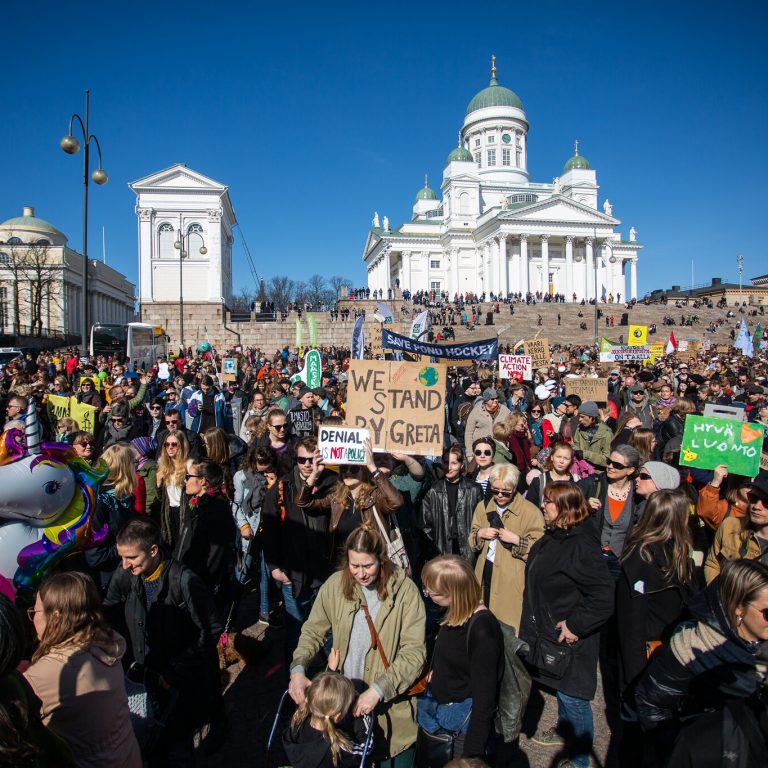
(708, 441)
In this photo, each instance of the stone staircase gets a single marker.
(511, 328)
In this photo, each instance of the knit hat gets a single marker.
(557, 402)
(490, 394)
(664, 477)
(304, 391)
(589, 409)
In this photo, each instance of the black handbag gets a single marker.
(550, 657)
(434, 750)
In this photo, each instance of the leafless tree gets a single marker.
(281, 290)
(242, 302)
(336, 282)
(317, 290)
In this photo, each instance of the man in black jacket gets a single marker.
(173, 422)
(171, 622)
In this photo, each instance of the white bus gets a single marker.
(137, 345)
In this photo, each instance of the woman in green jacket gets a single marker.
(368, 587)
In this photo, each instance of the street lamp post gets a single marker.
(182, 246)
(578, 258)
(71, 146)
(740, 262)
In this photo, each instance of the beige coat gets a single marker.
(727, 545)
(84, 701)
(480, 424)
(400, 627)
(508, 579)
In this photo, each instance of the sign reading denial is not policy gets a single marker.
(401, 404)
(342, 445)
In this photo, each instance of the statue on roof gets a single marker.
(556, 186)
(607, 208)
(386, 222)
(632, 234)
(376, 219)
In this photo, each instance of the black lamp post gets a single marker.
(71, 146)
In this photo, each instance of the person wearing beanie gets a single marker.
(638, 404)
(470, 391)
(304, 415)
(656, 476)
(592, 440)
(550, 426)
(485, 413)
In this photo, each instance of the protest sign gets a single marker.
(311, 373)
(83, 414)
(538, 351)
(709, 441)
(229, 368)
(625, 354)
(764, 461)
(342, 445)
(485, 349)
(516, 367)
(725, 412)
(656, 350)
(722, 349)
(376, 349)
(58, 408)
(683, 345)
(302, 421)
(638, 335)
(401, 404)
(587, 389)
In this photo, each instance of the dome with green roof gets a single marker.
(29, 227)
(462, 154)
(426, 193)
(577, 161)
(494, 95)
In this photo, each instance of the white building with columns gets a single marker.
(495, 232)
(179, 206)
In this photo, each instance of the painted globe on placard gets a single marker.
(203, 347)
(428, 377)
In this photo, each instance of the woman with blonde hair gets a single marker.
(171, 494)
(77, 674)
(644, 441)
(501, 535)
(463, 691)
(376, 616)
(115, 505)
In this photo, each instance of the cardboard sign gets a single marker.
(401, 404)
(708, 442)
(376, 349)
(342, 445)
(588, 389)
(725, 412)
(538, 351)
(764, 461)
(722, 349)
(625, 354)
(516, 367)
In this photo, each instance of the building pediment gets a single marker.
(177, 177)
(559, 209)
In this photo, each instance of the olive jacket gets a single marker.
(400, 627)
(729, 545)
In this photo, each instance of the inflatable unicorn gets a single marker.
(47, 498)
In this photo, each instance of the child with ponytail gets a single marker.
(323, 733)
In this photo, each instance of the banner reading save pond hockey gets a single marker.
(486, 349)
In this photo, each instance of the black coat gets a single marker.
(112, 513)
(566, 578)
(196, 447)
(175, 637)
(435, 520)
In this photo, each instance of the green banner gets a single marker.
(298, 332)
(312, 329)
(708, 441)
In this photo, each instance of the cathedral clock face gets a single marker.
(506, 138)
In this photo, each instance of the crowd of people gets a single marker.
(424, 606)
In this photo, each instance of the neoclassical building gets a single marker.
(496, 232)
(41, 282)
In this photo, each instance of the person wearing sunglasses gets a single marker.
(155, 409)
(173, 454)
(482, 458)
(500, 536)
(742, 537)
(119, 427)
(712, 661)
(173, 421)
(280, 439)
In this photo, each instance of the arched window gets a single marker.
(166, 238)
(42, 241)
(195, 228)
(5, 259)
(464, 203)
(14, 241)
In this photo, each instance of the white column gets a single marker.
(486, 268)
(495, 264)
(386, 285)
(633, 279)
(405, 272)
(569, 267)
(545, 264)
(590, 270)
(455, 271)
(524, 264)
(504, 272)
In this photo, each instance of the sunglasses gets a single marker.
(155, 407)
(85, 444)
(616, 464)
(643, 476)
(187, 476)
(501, 492)
(172, 423)
(117, 420)
(171, 443)
(279, 426)
(483, 453)
(535, 410)
(304, 459)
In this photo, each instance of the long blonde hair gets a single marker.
(173, 470)
(73, 613)
(327, 700)
(120, 462)
(453, 576)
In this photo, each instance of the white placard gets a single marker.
(725, 411)
(342, 445)
(517, 367)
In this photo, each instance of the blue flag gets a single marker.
(744, 340)
(358, 339)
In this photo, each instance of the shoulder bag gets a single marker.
(395, 544)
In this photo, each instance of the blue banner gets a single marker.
(358, 339)
(486, 349)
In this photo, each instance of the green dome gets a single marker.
(494, 95)
(29, 224)
(577, 161)
(461, 154)
(425, 193)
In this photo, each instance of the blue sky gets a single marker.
(315, 115)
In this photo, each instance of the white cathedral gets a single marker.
(496, 232)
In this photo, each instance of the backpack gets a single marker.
(256, 483)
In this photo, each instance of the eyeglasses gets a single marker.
(643, 476)
(478, 452)
(429, 593)
(546, 501)
(171, 444)
(754, 498)
(188, 475)
(303, 459)
(501, 492)
(616, 464)
(31, 613)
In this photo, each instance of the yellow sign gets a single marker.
(657, 350)
(638, 335)
(61, 407)
(58, 407)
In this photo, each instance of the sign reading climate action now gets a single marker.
(708, 441)
(516, 367)
(400, 404)
(486, 349)
(342, 445)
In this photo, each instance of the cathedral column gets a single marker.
(524, 264)
(405, 280)
(633, 278)
(145, 253)
(387, 269)
(568, 267)
(545, 264)
(455, 270)
(486, 268)
(503, 285)
(589, 293)
(496, 271)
